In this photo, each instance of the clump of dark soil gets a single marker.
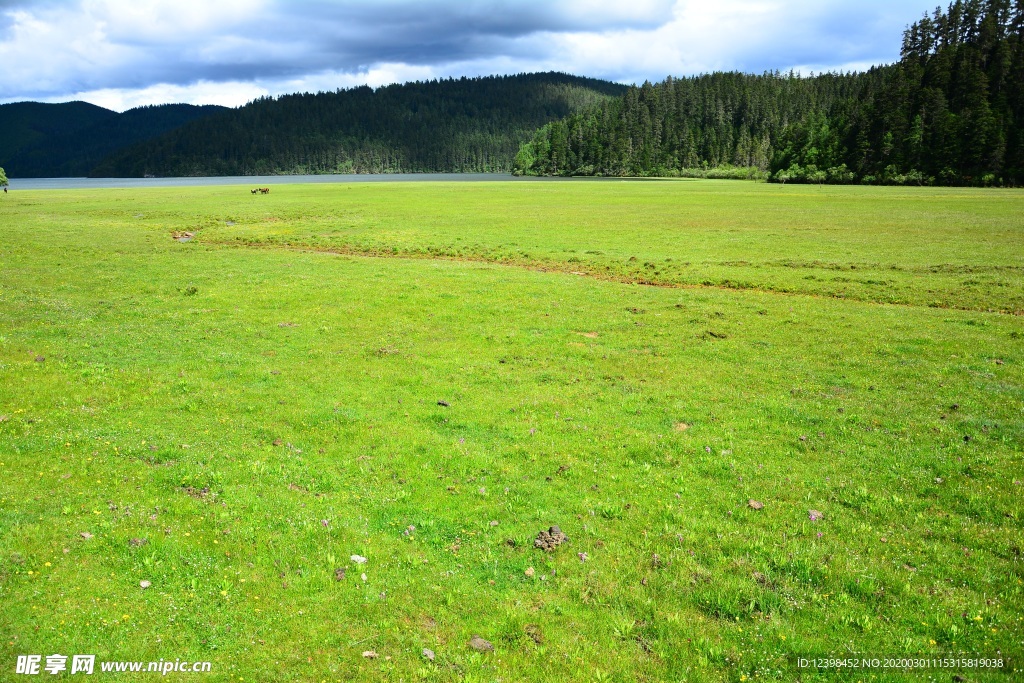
(550, 539)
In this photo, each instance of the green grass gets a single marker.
(170, 371)
(946, 248)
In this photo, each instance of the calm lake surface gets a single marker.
(254, 181)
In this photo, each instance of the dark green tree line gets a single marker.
(453, 125)
(71, 140)
(714, 120)
(949, 112)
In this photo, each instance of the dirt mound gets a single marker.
(550, 539)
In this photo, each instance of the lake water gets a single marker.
(253, 181)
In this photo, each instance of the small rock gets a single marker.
(755, 504)
(480, 645)
(814, 515)
(358, 559)
(278, 442)
(144, 584)
(550, 539)
(86, 535)
(370, 654)
(999, 361)
(428, 654)
(444, 404)
(339, 574)
(803, 438)
(529, 572)
(939, 480)
(363, 577)
(494, 522)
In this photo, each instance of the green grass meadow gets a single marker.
(233, 417)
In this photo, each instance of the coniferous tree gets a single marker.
(951, 111)
(449, 125)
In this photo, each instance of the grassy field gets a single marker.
(427, 375)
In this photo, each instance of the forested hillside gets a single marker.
(949, 112)
(463, 125)
(715, 120)
(60, 140)
(24, 124)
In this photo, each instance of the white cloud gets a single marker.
(236, 93)
(382, 74)
(227, 94)
(122, 53)
(156, 22)
(605, 12)
(744, 35)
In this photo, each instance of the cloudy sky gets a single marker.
(124, 53)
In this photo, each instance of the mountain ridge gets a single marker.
(447, 125)
(40, 140)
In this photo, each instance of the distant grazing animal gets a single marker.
(265, 190)
(254, 190)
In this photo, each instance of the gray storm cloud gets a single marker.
(114, 44)
(53, 49)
